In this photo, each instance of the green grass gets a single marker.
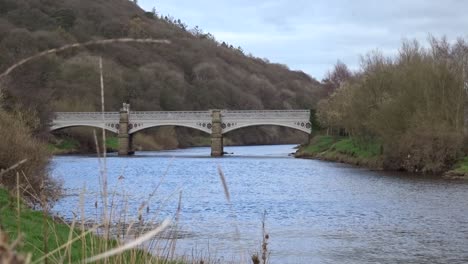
(344, 149)
(342, 145)
(112, 143)
(68, 144)
(31, 224)
(352, 147)
(65, 145)
(461, 167)
(320, 144)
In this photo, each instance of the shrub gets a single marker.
(432, 148)
(17, 144)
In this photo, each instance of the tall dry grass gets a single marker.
(17, 144)
(116, 238)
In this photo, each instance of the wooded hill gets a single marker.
(195, 72)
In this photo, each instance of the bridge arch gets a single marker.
(303, 127)
(108, 120)
(134, 128)
(100, 126)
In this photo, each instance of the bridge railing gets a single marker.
(183, 115)
(170, 115)
(267, 114)
(73, 116)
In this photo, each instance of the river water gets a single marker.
(316, 212)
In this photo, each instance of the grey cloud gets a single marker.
(313, 35)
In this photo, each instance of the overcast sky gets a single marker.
(311, 35)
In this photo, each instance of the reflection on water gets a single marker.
(317, 212)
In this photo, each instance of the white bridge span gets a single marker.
(200, 120)
(214, 122)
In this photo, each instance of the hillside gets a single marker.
(195, 72)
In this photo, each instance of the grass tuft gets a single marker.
(461, 167)
(343, 149)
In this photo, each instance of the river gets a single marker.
(316, 212)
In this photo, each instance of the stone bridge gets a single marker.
(214, 122)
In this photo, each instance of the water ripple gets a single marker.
(317, 212)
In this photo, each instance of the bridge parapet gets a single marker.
(270, 114)
(174, 115)
(86, 115)
(200, 120)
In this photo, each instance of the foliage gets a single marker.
(64, 145)
(32, 225)
(355, 148)
(195, 72)
(68, 144)
(65, 18)
(461, 167)
(343, 145)
(413, 104)
(337, 77)
(344, 149)
(314, 121)
(112, 143)
(319, 144)
(18, 144)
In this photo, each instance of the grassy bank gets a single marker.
(366, 154)
(69, 145)
(459, 170)
(41, 235)
(343, 149)
(64, 146)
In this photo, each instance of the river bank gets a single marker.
(44, 237)
(343, 150)
(363, 154)
(48, 238)
(70, 145)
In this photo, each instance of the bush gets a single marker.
(412, 104)
(18, 144)
(426, 149)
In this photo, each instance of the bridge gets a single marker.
(214, 122)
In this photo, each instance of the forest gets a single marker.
(194, 72)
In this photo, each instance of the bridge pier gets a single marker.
(217, 149)
(125, 139)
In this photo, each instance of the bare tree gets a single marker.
(336, 77)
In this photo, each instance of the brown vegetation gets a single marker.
(413, 104)
(8, 253)
(24, 158)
